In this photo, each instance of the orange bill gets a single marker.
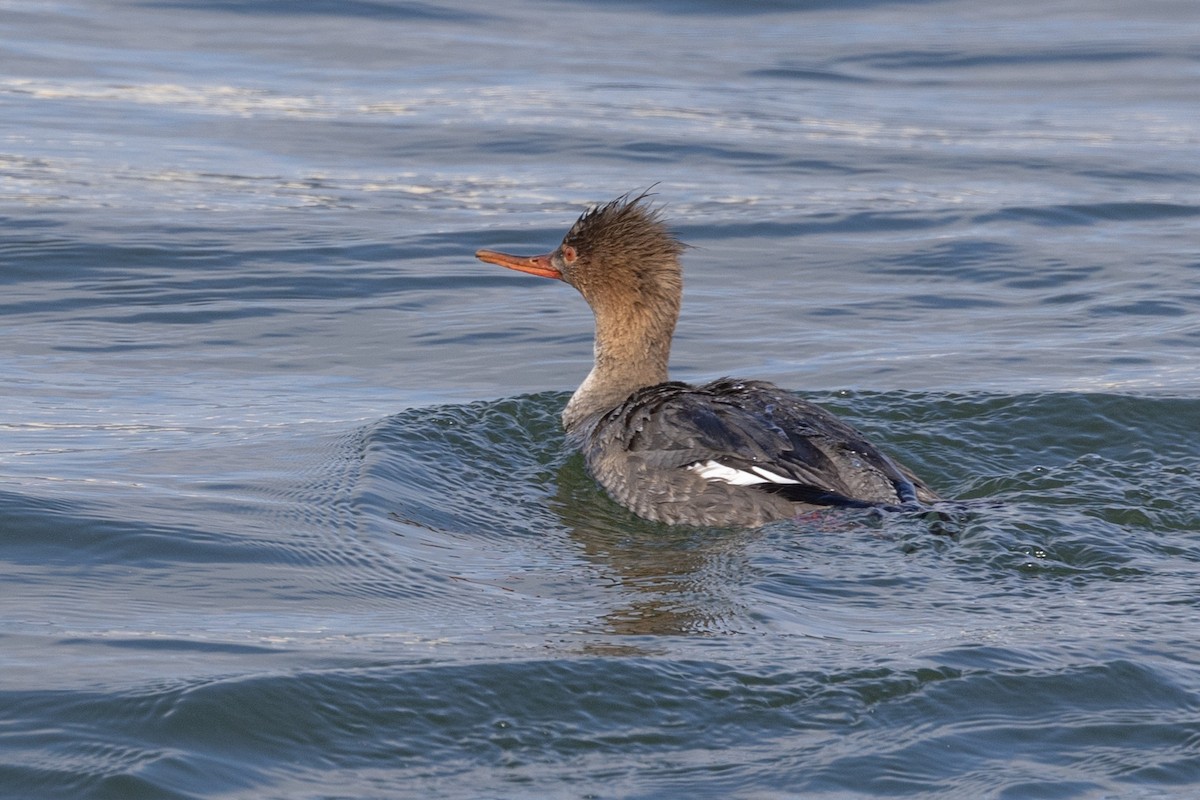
(541, 265)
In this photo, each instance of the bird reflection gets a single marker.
(675, 580)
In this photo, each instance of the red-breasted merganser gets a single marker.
(727, 453)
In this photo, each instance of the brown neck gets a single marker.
(632, 347)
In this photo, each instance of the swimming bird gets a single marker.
(734, 453)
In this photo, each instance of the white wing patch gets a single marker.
(716, 471)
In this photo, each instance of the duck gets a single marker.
(728, 453)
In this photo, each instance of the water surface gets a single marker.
(285, 510)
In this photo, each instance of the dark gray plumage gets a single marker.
(736, 453)
(647, 452)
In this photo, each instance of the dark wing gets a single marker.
(753, 428)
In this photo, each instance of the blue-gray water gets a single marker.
(284, 507)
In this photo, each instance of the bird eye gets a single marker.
(568, 254)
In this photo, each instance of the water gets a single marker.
(285, 511)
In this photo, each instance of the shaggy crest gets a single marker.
(629, 225)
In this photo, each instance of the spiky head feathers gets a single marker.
(622, 247)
